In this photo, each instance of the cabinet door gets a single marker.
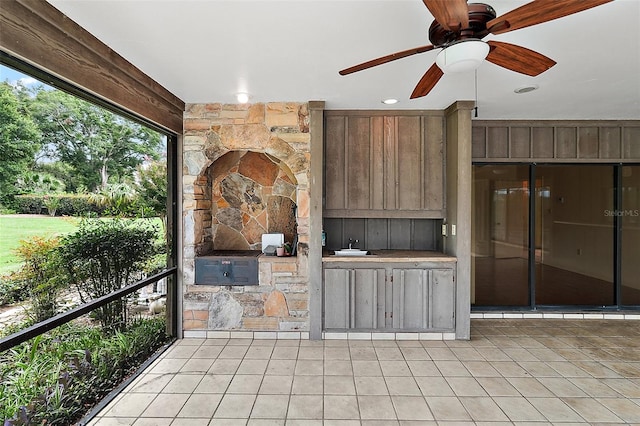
(357, 164)
(423, 299)
(442, 289)
(354, 298)
(367, 298)
(334, 163)
(434, 173)
(410, 164)
(410, 298)
(336, 298)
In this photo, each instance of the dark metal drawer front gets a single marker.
(213, 270)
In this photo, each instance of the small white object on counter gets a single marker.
(276, 240)
(351, 252)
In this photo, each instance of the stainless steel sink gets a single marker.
(351, 252)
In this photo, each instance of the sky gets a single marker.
(13, 77)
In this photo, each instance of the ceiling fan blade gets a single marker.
(385, 59)
(451, 14)
(427, 82)
(518, 58)
(537, 12)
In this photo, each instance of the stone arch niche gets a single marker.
(252, 193)
(244, 169)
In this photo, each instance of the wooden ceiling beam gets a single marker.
(39, 34)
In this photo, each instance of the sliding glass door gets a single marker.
(556, 235)
(574, 265)
(501, 239)
(629, 216)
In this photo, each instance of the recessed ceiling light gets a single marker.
(242, 98)
(526, 89)
(389, 101)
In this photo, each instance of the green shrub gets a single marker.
(55, 377)
(51, 203)
(104, 256)
(118, 198)
(13, 289)
(66, 204)
(40, 272)
(7, 210)
(29, 204)
(80, 205)
(39, 183)
(26, 373)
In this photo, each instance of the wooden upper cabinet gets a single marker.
(382, 164)
(334, 163)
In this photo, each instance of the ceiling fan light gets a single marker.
(466, 55)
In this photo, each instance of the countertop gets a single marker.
(391, 256)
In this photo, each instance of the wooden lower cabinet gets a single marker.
(395, 298)
(354, 298)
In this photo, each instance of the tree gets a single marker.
(152, 187)
(95, 142)
(62, 172)
(152, 192)
(19, 138)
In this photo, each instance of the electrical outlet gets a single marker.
(453, 230)
(444, 229)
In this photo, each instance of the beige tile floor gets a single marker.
(511, 372)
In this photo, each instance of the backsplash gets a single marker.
(384, 234)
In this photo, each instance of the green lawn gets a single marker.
(14, 228)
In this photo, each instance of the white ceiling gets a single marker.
(208, 50)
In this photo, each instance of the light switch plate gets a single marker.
(453, 230)
(444, 229)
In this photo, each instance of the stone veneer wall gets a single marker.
(281, 131)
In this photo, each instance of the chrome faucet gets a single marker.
(351, 241)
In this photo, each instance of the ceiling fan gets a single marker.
(458, 29)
